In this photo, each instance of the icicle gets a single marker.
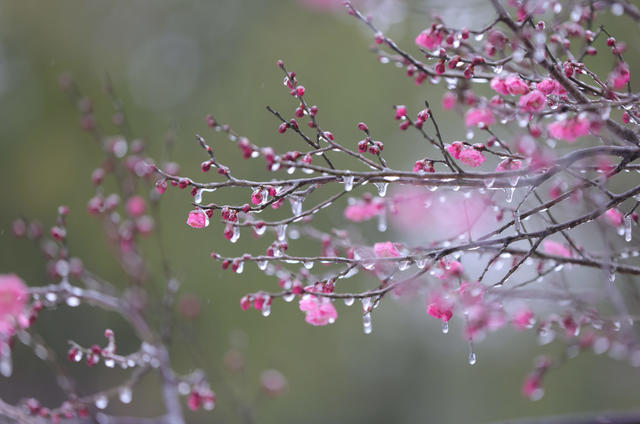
(281, 232)
(236, 234)
(509, 194)
(308, 264)
(296, 205)
(349, 301)
(382, 188)
(513, 181)
(125, 395)
(421, 263)
(266, 309)
(403, 265)
(612, 275)
(366, 323)
(382, 222)
(489, 182)
(517, 223)
(445, 327)
(288, 297)
(260, 230)
(6, 365)
(198, 197)
(628, 229)
(240, 267)
(262, 265)
(348, 182)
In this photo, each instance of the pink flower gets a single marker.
(499, 86)
(554, 248)
(569, 130)
(515, 85)
(531, 387)
(385, 250)
(198, 219)
(479, 117)
(450, 269)
(532, 102)
(440, 306)
(620, 76)
(455, 149)
(546, 86)
(614, 217)
(401, 111)
(472, 157)
(448, 100)
(522, 319)
(364, 211)
(509, 165)
(136, 206)
(429, 39)
(13, 296)
(318, 310)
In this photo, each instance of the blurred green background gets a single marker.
(172, 62)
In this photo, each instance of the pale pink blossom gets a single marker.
(531, 387)
(522, 319)
(448, 100)
(455, 149)
(569, 130)
(440, 305)
(479, 117)
(472, 157)
(385, 250)
(546, 86)
(429, 38)
(509, 165)
(515, 85)
(318, 310)
(620, 76)
(450, 269)
(136, 206)
(499, 86)
(532, 102)
(198, 219)
(13, 296)
(614, 217)
(554, 248)
(364, 211)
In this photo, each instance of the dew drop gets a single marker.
(403, 265)
(197, 198)
(445, 327)
(281, 232)
(101, 402)
(72, 301)
(109, 363)
(125, 395)
(288, 297)
(472, 358)
(296, 205)
(266, 309)
(262, 265)
(349, 301)
(308, 264)
(260, 230)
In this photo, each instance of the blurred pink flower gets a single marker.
(197, 219)
(319, 310)
(479, 117)
(385, 250)
(554, 248)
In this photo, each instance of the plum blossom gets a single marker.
(554, 248)
(522, 319)
(620, 76)
(532, 102)
(499, 86)
(440, 306)
(550, 86)
(364, 210)
(614, 217)
(13, 298)
(319, 310)
(509, 165)
(136, 206)
(385, 250)
(429, 38)
(448, 100)
(479, 117)
(515, 85)
(198, 218)
(472, 157)
(569, 130)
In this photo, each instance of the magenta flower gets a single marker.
(472, 157)
(364, 211)
(499, 86)
(614, 217)
(13, 296)
(620, 76)
(569, 130)
(198, 219)
(509, 165)
(515, 85)
(136, 206)
(448, 100)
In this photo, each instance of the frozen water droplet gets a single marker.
(382, 188)
(612, 276)
(240, 267)
(498, 69)
(517, 223)
(472, 358)
(109, 363)
(403, 265)
(262, 265)
(545, 335)
(236, 234)
(281, 232)
(445, 327)
(368, 265)
(78, 356)
(101, 402)
(308, 264)
(260, 230)
(288, 297)
(266, 309)
(197, 198)
(489, 182)
(51, 297)
(72, 301)
(6, 365)
(125, 395)
(382, 222)
(349, 301)
(509, 194)
(628, 229)
(479, 37)
(617, 9)
(348, 182)
(421, 263)
(296, 205)
(469, 134)
(514, 180)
